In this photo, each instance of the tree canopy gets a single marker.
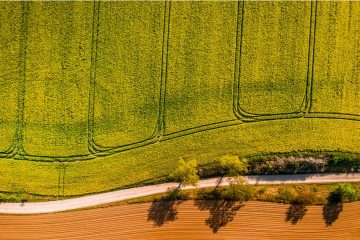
(343, 191)
(233, 165)
(186, 172)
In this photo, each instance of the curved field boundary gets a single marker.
(305, 109)
(95, 32)
(11, 151)
(153, 141)
(16, 151)
(329, 115)
(97, 148)
(151, 164)
(101, 16)
(120, 195)
(21, 93)
(158, 135)
(343, 116)
(200, 67)
(246, 116)
(17, 147)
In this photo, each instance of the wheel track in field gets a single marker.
(97, 149)
(17, 147)
(95, 32)
(17, 152)
(247, 116)
(329, 115)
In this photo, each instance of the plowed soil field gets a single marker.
(254, 220)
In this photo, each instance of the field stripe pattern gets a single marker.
(336, 64)
(128, 69)
(10, 63)
(274, 82)
(207, 94)
(200, 66)
(56, 84)
(253, 221)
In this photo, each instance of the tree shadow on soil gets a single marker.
(331, 212)
(221, 212)
(333, 208)
(163, 211)
(295, 213)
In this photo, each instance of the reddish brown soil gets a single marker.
(255, 220)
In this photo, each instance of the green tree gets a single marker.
(233, 165)
(285, 196)
(343, 191)
(186, 173)
(238, 190)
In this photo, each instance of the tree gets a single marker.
(233, 165)
(186, 173)
(239, 191)
(343, 191)
(285, 196)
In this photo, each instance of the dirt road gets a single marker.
(109, 197)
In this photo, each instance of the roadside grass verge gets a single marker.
(316, 194)
(267, 193)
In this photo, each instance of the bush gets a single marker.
(339, 164)
(343, 192)
(10, 198)
(238, 191)
(233, 165)
(210, 170)
(263, 190)
(285, 196)
(186, 172)
(175, 194)
(305, 198)
(209, 194)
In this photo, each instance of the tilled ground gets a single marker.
(215, 220)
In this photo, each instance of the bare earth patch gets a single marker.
(253, 220)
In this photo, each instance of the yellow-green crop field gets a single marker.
(97, 96)
(272, 44)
